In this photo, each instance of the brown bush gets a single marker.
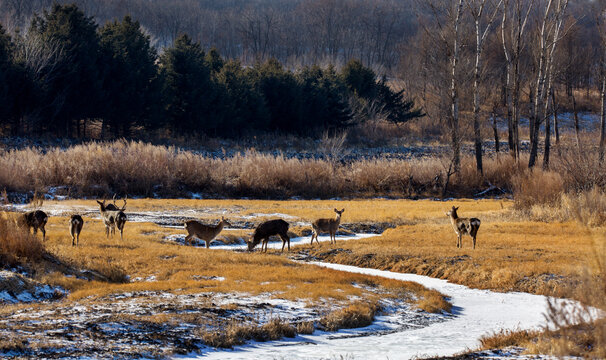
(236, 333)
(17, 244)
(353, 316)
(536, 186)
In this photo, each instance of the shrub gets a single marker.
(17, 244)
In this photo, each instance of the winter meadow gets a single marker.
(302, 179)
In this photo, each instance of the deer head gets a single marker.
(453, 212)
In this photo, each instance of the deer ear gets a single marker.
(336, 209)
(456, 208)
(343, 210)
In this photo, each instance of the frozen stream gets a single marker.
(477, 313)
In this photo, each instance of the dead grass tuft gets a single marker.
(356, 315)
(505, 338)
(305, 327)
(17, 244)
(236, 333)
(433, 302)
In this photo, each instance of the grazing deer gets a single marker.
(204, 232)
(37, 220)
(113, 218)
(327, 225)
(463, 226)
(75, 227)
(267, 229)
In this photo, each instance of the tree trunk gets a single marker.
(556, 126)
(602, 119)
(495, 130)
(547, 137)
(535, 120)
(454, 96)
(476, 101)
(576, 121)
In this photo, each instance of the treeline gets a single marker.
(65, 72)
(296, 32)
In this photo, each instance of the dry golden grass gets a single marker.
(144, 253)
(236, 333)
(17, 244)
(139, 168)
(356, 315)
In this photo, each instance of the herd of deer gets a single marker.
(114, 217)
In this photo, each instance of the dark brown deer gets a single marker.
(204, 232)
(37, 220)
(75, 227)
(327, 225)
(463, 226)
(267, 229)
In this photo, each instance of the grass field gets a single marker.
(513, 253)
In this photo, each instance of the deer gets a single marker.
(204, 232)
(463, 226)
(37, 220)
(267, 229)
(113, 217)
(327, 225)
(75, 227)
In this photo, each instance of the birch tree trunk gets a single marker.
(477, 12)
(538, 93)
(454, 95)
(602, 118)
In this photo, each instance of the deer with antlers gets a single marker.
(113, 217)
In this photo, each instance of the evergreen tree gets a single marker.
(324, 98)
(214, 61)
(130, 83)
(74, 92)
(396, 108)
(360, 80)
(245, 108)
(192, 99)
(282, 96)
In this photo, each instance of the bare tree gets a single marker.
(513, 31)
(477, 9)
(600, 22)
(549, 36)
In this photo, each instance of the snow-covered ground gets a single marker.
(477, 313)
(180, 238)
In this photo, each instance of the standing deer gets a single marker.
(204, 232)
(327, 225)
(267, 229)
(113, 217)
(75, 227)
(463, 226)
(37, 220)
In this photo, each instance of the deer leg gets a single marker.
(474, 242)
(43, 233)
(106, 231)
(460, 241)
(73, 240)
(285, 239)
(35, 230)
(121, 231)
